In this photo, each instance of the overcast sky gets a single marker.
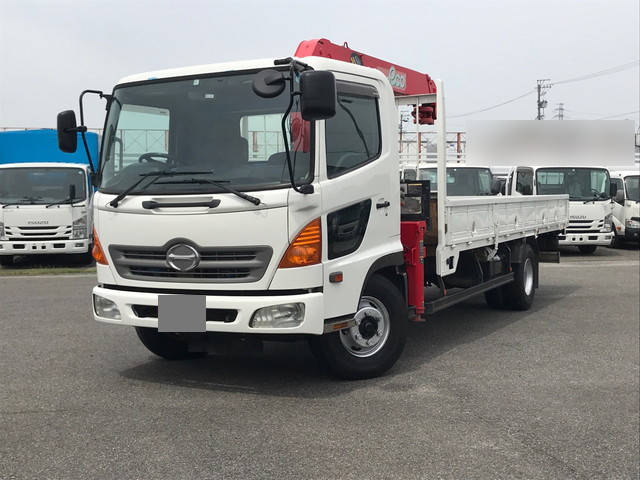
(485, 51)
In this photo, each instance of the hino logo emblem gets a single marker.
(183, 258)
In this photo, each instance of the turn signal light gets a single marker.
(97, 252)
(306, 248)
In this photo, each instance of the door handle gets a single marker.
(384, 204)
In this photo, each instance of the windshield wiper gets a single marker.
(31, 202)
(221, 185)
(66, 200)
(157, 175)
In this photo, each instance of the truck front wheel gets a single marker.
(6, 260)
(374, 343)
(166, 345)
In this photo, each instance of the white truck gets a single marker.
(560, 157)
(272, 209)
(44, 203)
(626, 209)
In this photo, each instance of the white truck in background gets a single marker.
(560, 157)
(626, 207)
(214, 236)
(45, 201)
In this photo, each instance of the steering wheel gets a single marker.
(148, 157)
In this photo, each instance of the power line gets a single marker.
(600, 73)
(494, 106)
(618, 115)
(588, 76)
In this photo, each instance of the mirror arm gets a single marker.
(83, 129)
(307, 188)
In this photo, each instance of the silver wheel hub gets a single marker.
(527, 272)
(371, 329)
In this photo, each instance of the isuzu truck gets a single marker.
(270, 207)
(45, 196)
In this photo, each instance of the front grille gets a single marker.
(212, 314)
(217, 264)
(585, 226)
(41, 232)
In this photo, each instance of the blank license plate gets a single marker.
(181, 313)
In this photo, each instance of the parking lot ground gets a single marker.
(547, 393)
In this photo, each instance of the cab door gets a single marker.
(360, 190)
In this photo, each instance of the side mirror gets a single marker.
(268, 83)
(619, 196)
(613, 189)
(317, 95)
(67, 131)
(72, 191)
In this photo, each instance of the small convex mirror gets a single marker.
(268, 83)
(67, 135)
(318, 95)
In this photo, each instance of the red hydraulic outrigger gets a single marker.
(404, 81)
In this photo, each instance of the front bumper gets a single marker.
(126, 301)
(35, 247)
(577, 239)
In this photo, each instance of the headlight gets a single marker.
(629, 223)
(105, 308)
(607, 222)
(278, 316)
(80, 227)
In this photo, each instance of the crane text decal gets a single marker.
(397, 79)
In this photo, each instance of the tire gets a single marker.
(587, 249)
(495, 298)
(166, 345)
(616, 241)
(381, 308)
(519, 294)
(6, 260)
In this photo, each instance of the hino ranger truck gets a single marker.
(45, 196)
(268, 206)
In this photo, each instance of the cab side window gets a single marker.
(619, 186)
(353, 134)
(524, 181)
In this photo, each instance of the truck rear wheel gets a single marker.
(373, 345)
(518, 295)
(587, 249)
(166, 345)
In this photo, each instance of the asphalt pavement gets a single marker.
(550, 393)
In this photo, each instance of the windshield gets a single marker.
(633, 188)
(460, 181)
(41, 185)
(213, 124)
(579, 183)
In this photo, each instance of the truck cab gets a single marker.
(626, 207)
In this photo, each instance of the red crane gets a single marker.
(404, 81)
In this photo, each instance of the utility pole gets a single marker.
(559, 111)
(543, 85)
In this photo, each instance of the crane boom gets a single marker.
(404, 81)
